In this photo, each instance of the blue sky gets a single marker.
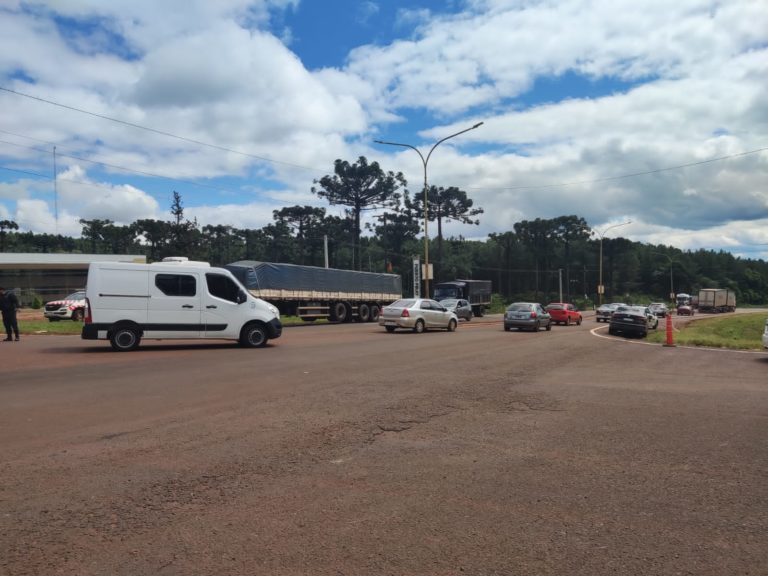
(239, 105)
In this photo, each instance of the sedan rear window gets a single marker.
(405, 303)
(519, 307)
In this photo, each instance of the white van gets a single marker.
(175, 298)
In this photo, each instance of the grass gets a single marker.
(737, 331)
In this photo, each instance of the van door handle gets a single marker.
(187, 306)
(211, 306)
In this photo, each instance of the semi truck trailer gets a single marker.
(313, 293)
(717, 300)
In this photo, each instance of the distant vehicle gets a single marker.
(477, 292)
(70, 308)
(717, 300)
(684, 299)
(460, 307)
(685, 310)
(564, 313)
(605, 311)
(527, 315)
(632, 321)
(417, 314)
(765, 335)
(659, 309)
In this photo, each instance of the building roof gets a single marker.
(37, 260)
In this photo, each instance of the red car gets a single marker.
(564, 313)
(685, 310)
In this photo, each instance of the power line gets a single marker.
(270, 160)
(161, 132)
(114, 166)
(623, 176)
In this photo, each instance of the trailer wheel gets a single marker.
(124, 338)
(339, 312)
(253, 336)
(375, 312)
(364, 312)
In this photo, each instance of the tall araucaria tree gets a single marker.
(360, 186)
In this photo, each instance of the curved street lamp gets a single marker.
(425, 161)
(601, 288)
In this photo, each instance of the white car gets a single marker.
(70, 308)
(765, 335)
(417, 314)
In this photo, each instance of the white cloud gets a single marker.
(695, 74)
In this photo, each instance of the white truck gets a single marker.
(173, 299)
(717, 300)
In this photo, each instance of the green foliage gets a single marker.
(37, 303)
(534, 261)
(737, 331)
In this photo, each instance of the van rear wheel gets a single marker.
(124, 339)
(254, 336)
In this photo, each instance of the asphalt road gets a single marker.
(344, 450)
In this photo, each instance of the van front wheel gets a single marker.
(254, 336)
(124, 339)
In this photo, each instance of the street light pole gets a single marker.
(601, 288)
(425, 161)
(671, 280)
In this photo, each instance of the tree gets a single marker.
(445, 204)
(6, 225)
(93, 230)
(360, 186)
(304, 220)
(156, 232)
(177, 208)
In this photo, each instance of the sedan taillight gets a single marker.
(405, 314)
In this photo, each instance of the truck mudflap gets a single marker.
(90, 332)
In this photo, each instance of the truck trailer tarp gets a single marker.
(273, 280)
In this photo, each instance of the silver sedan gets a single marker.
(417, 314)
(461, 307)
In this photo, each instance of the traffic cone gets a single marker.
(670, 341)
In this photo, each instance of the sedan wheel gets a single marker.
(419, 328)
(452, 325)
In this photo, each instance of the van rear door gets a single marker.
(174, 304)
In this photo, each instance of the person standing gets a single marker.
(9, 304)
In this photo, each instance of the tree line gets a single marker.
(537, 259)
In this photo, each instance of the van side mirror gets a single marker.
(242, 297)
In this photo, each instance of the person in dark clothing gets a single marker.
(9, 303)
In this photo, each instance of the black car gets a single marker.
(631, 321)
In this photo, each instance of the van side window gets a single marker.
(176, 284)
(222, 287)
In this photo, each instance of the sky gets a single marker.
(643, 111)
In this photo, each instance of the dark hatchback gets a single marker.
(630, 321)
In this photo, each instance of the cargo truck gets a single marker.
(313, 293)
(716, 300)
(477, 292)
